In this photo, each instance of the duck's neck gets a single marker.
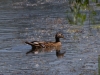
(57, 52)
(57, 40)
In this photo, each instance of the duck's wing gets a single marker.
(43, 44)
(47, 44)
(34, 43)
(29, 43)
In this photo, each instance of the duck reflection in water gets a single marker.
(59, 54)
(45, 46)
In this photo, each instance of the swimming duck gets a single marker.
(45, 44)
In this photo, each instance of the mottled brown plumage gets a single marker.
(46, 44)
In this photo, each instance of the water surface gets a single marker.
(23, 20)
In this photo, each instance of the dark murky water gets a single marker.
(23, 20)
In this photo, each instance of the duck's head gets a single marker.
(59, 35)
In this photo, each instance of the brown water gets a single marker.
(23, 20)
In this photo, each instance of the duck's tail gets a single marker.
(35, 44)
(29, 43)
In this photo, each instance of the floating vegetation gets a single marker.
(79, 11)
(98, 4)
(96, 26)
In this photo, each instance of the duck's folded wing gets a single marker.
(29, 43)
(35, 44)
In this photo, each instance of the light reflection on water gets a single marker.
(19, 23)
(22, 28)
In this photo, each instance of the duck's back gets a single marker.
(50, 44)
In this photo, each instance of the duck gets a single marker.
(46, 44)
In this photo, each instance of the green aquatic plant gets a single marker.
(96, 26)
(79, 11)
(98, 4)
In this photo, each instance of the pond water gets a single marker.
(27, 20)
